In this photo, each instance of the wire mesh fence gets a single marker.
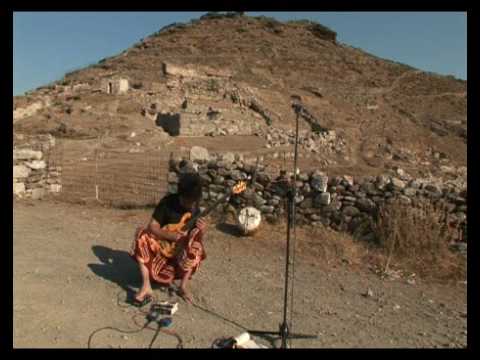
(112, 178)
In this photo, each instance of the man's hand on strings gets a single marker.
(201, 224)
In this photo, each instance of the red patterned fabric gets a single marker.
(189, 254)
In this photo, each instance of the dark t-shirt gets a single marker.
(170, 211)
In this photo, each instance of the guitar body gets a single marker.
(178, 227)
(168, 248)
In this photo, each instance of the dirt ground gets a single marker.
(71, 264)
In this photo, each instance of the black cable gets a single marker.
(143, 327)
(115, 329)
(220, 316)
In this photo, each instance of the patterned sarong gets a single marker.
(165, 267)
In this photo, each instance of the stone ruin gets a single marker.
(34, 175)
(115, 86)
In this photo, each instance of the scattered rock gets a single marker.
(368, 293)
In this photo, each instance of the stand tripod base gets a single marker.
(283, 334)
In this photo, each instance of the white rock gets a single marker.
(55, 188)
(26, 154)
(20, 171)
(348, 179)
(198, 153)
(397, 184)
(18, 188)
(36, 164)
(228, 157)
(382, 181)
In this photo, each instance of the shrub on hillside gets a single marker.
(417, 237)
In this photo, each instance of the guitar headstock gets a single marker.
(239, 188)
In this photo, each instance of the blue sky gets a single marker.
(46, 45)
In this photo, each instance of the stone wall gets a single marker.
(35, 174)
(343, 203)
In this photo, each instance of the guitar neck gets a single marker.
(191, 223)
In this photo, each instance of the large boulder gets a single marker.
(198, 153)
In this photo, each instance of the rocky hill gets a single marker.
(233, 76)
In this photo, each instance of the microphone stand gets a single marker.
(284, 331)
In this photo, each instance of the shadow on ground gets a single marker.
(228, 229)
(116, 266)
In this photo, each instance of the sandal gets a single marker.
(141, 303)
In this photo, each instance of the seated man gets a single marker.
(165, 255)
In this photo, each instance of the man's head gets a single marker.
(190, 189)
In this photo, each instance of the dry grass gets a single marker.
(410, 239)
(416, 238)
